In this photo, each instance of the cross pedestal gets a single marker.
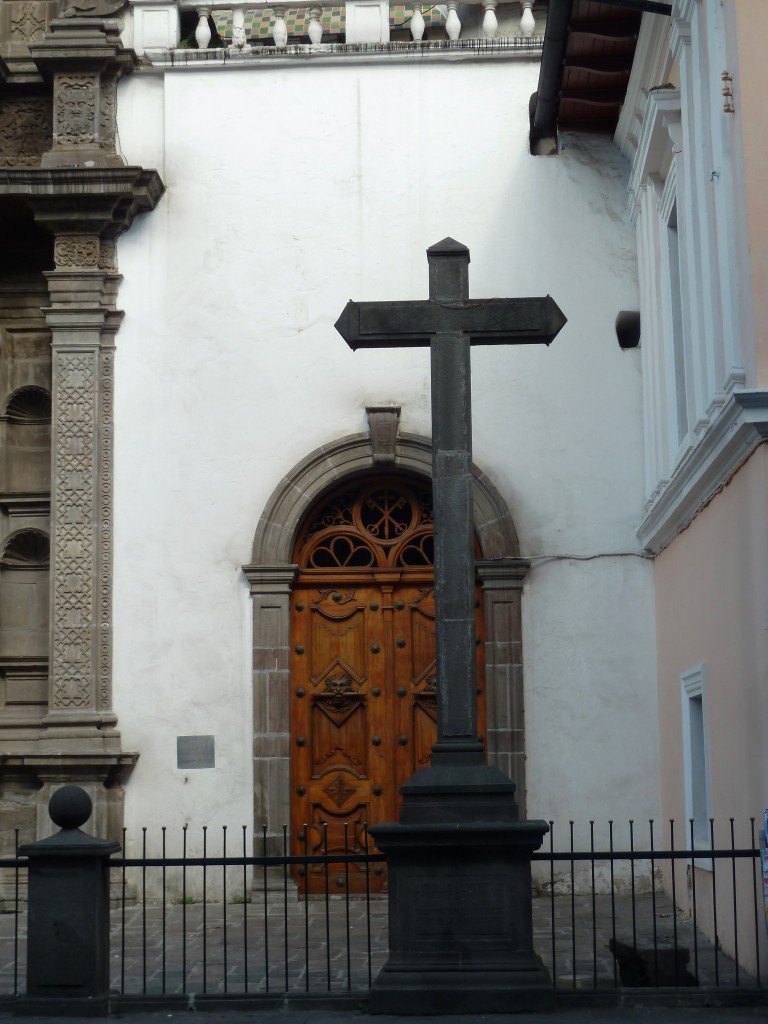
(460, 927)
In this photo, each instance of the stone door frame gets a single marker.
(272, 575)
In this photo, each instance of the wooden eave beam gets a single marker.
(592, 65)
(611, 96)
(613, 30)
(644, 6)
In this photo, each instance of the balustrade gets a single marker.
(239, 27)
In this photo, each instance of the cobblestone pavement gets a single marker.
(278, 945)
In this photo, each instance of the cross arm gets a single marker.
(486, 322)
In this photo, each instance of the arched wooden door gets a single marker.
(363, 685)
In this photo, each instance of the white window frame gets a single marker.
(696, 758)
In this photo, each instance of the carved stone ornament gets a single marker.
(77, 251)
(107, 370)
(93, 8)
(383, 421)
(25, 130)
(108, 254)
(74, 569)
(75, 109)
(27, 22)
(108, 112)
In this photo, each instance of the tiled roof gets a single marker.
(598, 59)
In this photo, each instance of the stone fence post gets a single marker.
(68, 929)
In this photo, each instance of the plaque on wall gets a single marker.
(195, 752)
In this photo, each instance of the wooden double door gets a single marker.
(363, 713)
(363, 684)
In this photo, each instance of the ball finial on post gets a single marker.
(70, 807)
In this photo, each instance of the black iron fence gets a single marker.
(651, 915)
(206, 919)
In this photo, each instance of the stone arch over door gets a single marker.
(272, 574)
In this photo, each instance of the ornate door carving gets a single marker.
(363, 685)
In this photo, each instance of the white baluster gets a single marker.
(452, 23)
(527, 24)
(490, 24)
(203, 29)
(280, 29)
(239, 41)
(417, 23)
(315, 27)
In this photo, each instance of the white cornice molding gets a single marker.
(741, 426)
(658, 140)
(683, 13)
(682, 10)
(651, 44)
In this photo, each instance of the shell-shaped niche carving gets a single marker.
(29, 405)
(27, 549)
(24, 597)
(27, 461)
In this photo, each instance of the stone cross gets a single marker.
(449, 322)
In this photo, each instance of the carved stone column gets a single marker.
(67, 176)
(83, 322)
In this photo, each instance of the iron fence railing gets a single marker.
(12, 924)
(206, 919)
(236, 924)
(677, 917)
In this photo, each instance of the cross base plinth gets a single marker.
(451, 991)
(460, 916)
(459, 791)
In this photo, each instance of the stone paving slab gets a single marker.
(620, 1015)
(254, 948)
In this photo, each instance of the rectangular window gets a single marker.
(695, 755)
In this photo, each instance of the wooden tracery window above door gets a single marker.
(384, 525)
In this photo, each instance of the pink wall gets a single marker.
(712, 608)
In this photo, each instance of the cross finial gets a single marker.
(449, 323)
(448, 271)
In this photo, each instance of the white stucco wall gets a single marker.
(289, 191)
